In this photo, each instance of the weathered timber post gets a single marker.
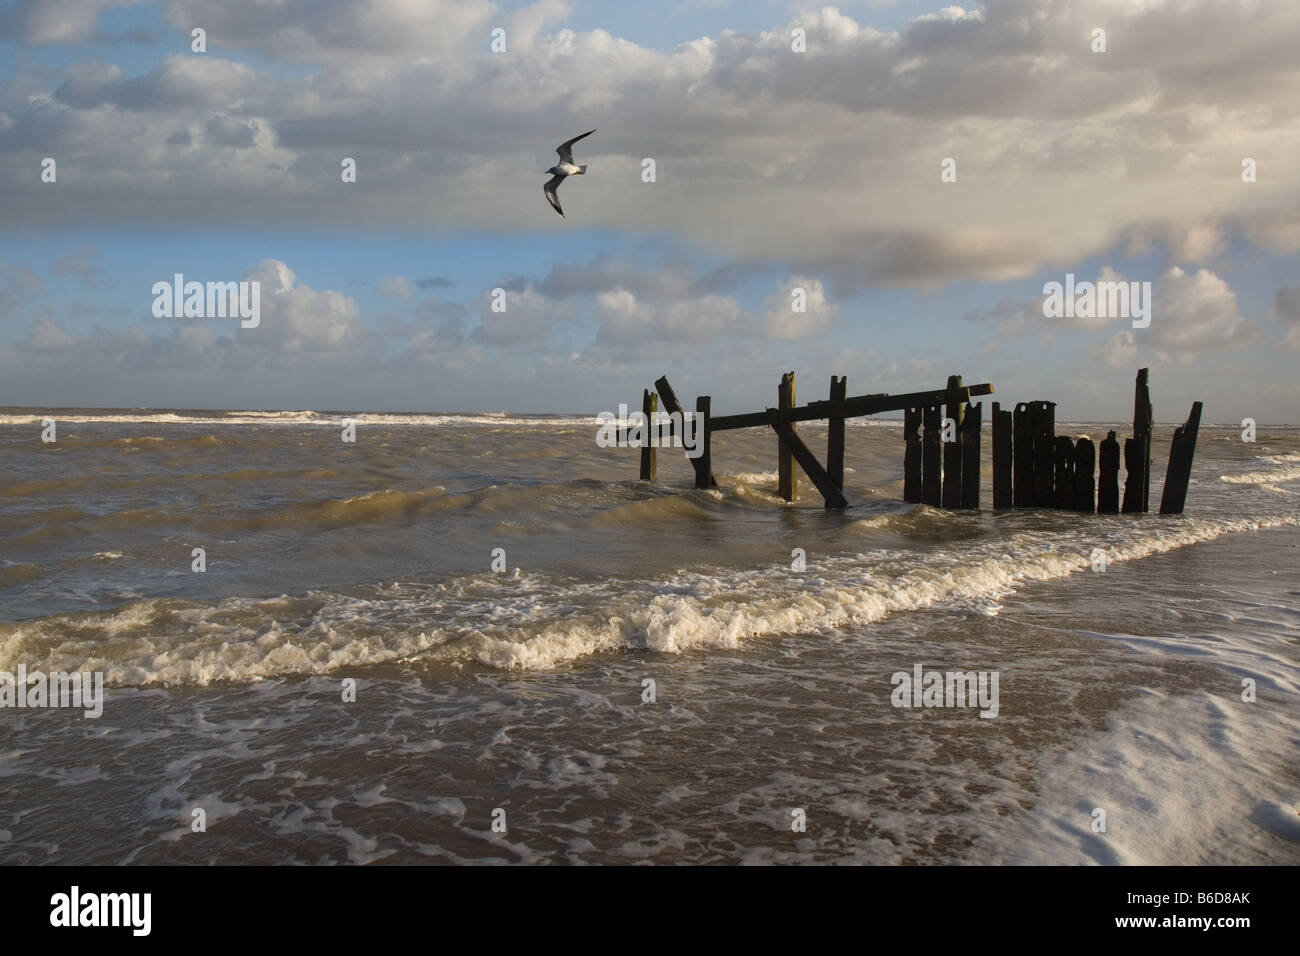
(970, 455)
(671, 406)
(649, 459)
(835, 433)
(1179, 472)
(703, 413)
(1023, 450)
(787, 479)
(912, 455)
(1001, 457)
(1063, 492)
(1085, 486)
(954, 410)
(1108, 477)
(1044, 422)
(1133, 477)
(1137, 485)
(931, 456)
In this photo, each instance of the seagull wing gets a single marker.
(553, 184)
(565, 150)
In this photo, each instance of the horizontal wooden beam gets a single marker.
(853, 407)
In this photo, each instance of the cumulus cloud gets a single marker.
(525, 322)
(1193, 314)
(395, 287)
(42, 22)
(783, 321)
(827, 160)
(297, 319)
(1198, 312)
(1286, 309)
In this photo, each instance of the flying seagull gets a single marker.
(563, 169)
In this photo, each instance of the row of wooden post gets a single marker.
(941, 457)
(1033, 467)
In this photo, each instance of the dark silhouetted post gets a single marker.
(1179, 472)
(1108, 477)
(1044, 419)
(1063, 492)
(649, 460)
(931, 456)
(1001, 457)
(912, 455)
(704, 469)
(1023, 492)
(1085, 486)
(1137, 486)
(952, 449)
(787, 479)
(970, 455)
(835, 433)
(1133, 477)
(673, 406)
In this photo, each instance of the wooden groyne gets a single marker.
(1033, 467)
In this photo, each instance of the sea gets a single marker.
(481, 639)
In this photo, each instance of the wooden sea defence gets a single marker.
(1033, 467)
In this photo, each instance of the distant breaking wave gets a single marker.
(307, 417)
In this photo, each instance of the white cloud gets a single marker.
(395, 287)
(780, 321)
(829, 160)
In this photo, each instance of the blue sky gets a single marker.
(776, 169)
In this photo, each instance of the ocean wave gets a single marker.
(1281, 468)
(537, 621)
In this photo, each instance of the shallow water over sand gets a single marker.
(523, 690)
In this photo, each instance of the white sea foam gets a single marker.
(1282, 468)
(1174, 774)
(538, 621)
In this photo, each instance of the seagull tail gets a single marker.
(581, 170)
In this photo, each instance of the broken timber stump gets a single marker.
(1043, 418)
(835, 433)
(1001, 457)
(1108, 477)
(1085, 488)
(787, 479)
(970, 456)
(1063, 490)
(703, 412)
(1179, 472)
(930, 458)
(1023, 492)
(649, 460)
(911, 455)
(953, 412)
(1137, 485)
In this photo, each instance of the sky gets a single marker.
(914, 174)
